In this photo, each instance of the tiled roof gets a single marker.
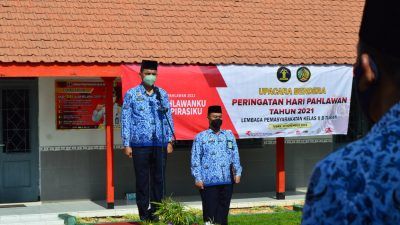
(180, 31)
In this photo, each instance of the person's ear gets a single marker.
(368, 74)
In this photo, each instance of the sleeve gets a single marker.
(195, 164)
(316, 198)
(236, 158)
(126, 120)
(170, 119)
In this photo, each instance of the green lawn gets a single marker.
(282, 218)
(279, 218)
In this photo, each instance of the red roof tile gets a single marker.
(180, 31)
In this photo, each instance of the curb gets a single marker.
(68, 219)
(298, 208)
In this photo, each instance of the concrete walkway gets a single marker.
(48, 213)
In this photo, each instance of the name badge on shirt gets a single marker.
(230, 145)
(139, 96)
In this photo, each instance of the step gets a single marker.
(32, 219)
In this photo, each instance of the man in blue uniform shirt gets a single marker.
(215, 166)
(360, 183)
(146, 136)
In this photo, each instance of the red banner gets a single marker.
(191, 89)
(257, 101)
(81, 104)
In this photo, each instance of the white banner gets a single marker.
(273, 101)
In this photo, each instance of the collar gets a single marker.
(210, 131)
(392, 116)
(143, 90)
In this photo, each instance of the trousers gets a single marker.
(215, 202)
(149, 164)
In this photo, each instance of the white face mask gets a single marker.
(149, 80)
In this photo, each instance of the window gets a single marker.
(15, 112)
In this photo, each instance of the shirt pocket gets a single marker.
(205, 172)
(142, 129)
(226, 175)
(212, 172)
(140, 106)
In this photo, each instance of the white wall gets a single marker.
(50, 136)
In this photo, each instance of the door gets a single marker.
(19, 156)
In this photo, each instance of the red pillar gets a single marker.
(280, 168)
(109, 81)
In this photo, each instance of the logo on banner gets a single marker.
(303, 74)
(283, 74)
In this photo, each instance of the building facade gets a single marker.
(42, 42)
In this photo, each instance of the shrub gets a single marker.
(175, 213)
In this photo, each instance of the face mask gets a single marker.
(215, 125)
(149, 80)
(365, 96)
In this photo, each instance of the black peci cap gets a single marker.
(380, 26)
(214, 109)
(148, 65)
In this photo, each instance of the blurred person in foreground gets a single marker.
(360, 183)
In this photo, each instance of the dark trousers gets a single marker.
(149, 164)
(216, 201)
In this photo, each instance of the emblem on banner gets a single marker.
(283, 74)
(303, 74)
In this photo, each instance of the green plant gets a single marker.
(172, 212)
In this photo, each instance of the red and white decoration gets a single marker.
(256, 104)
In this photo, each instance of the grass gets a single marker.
(171, 211)
(278, 218)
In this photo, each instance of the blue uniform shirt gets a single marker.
(212, 157)
(142, 121)
(359, 184)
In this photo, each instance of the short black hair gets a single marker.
(379, 36)
(380, 26)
